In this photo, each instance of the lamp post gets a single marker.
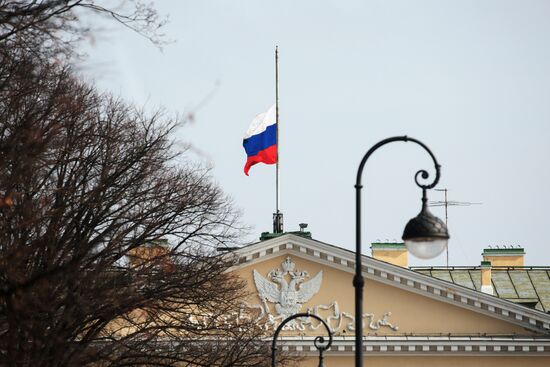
(425, 236)
(319, 341)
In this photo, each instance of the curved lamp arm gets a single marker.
(358, 281)
(318, 341)
(405, 138)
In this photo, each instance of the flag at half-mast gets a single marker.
(260, 140)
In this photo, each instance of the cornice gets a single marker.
(427, 345)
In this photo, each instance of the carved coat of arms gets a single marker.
(289, 289)
(287, 296)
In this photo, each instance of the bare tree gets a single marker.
(50, 28)
(107, 233)
(90, 187)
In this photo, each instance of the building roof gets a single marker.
(525, 285)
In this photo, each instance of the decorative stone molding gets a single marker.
(431, 345)
(289, 296)
(336, 320)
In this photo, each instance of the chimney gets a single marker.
(504, 256)
(486, 284)
(393, 253)
(156, 253)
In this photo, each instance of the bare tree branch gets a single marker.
(90, 188)
(51, 28)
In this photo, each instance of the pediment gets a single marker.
(397, 300)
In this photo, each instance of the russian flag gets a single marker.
(260, 141)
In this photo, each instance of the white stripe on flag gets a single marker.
(261, 122)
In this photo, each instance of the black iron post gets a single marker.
(358, 281)
(319, 341)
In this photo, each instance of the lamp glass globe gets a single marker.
(426, 248)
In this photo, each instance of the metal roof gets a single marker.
(526, 285)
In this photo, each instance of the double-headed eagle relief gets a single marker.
(289, 289)
(287, 296)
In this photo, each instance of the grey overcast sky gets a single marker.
(471, 79)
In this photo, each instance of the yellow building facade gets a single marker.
(409, 318)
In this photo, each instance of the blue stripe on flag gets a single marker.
(264, 140)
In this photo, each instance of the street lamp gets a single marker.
(319, 341)
(425, 235)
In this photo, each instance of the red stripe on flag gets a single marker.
(267, 156)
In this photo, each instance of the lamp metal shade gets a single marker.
(426, 235)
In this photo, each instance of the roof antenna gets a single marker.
(446, 203)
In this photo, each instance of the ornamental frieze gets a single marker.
(284, 292)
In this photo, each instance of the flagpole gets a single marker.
(277, 121)
(278, 217)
